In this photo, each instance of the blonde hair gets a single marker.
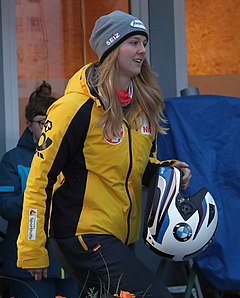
(147, 97)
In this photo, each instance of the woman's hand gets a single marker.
(184, 167)
(39, 273)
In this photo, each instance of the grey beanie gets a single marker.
(112, 29)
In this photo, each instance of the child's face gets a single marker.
(36, 125)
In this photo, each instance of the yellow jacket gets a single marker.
(102, 188)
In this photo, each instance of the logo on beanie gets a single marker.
(112, 39)
(137, 24)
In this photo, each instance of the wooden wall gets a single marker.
(213, 46)
(213, 36)
(52, 41)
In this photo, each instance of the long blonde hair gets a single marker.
(147, 97)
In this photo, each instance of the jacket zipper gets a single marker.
(126, 182)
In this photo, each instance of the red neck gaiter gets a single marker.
(125, 96)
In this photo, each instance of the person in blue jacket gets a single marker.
(14, 169)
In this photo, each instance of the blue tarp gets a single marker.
(204, 131)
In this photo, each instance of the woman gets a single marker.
(14, 169)
(101, 135)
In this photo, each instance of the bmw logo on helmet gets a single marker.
(182, 232)
(178, 227)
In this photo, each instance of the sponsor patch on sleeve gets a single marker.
(32, 224)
